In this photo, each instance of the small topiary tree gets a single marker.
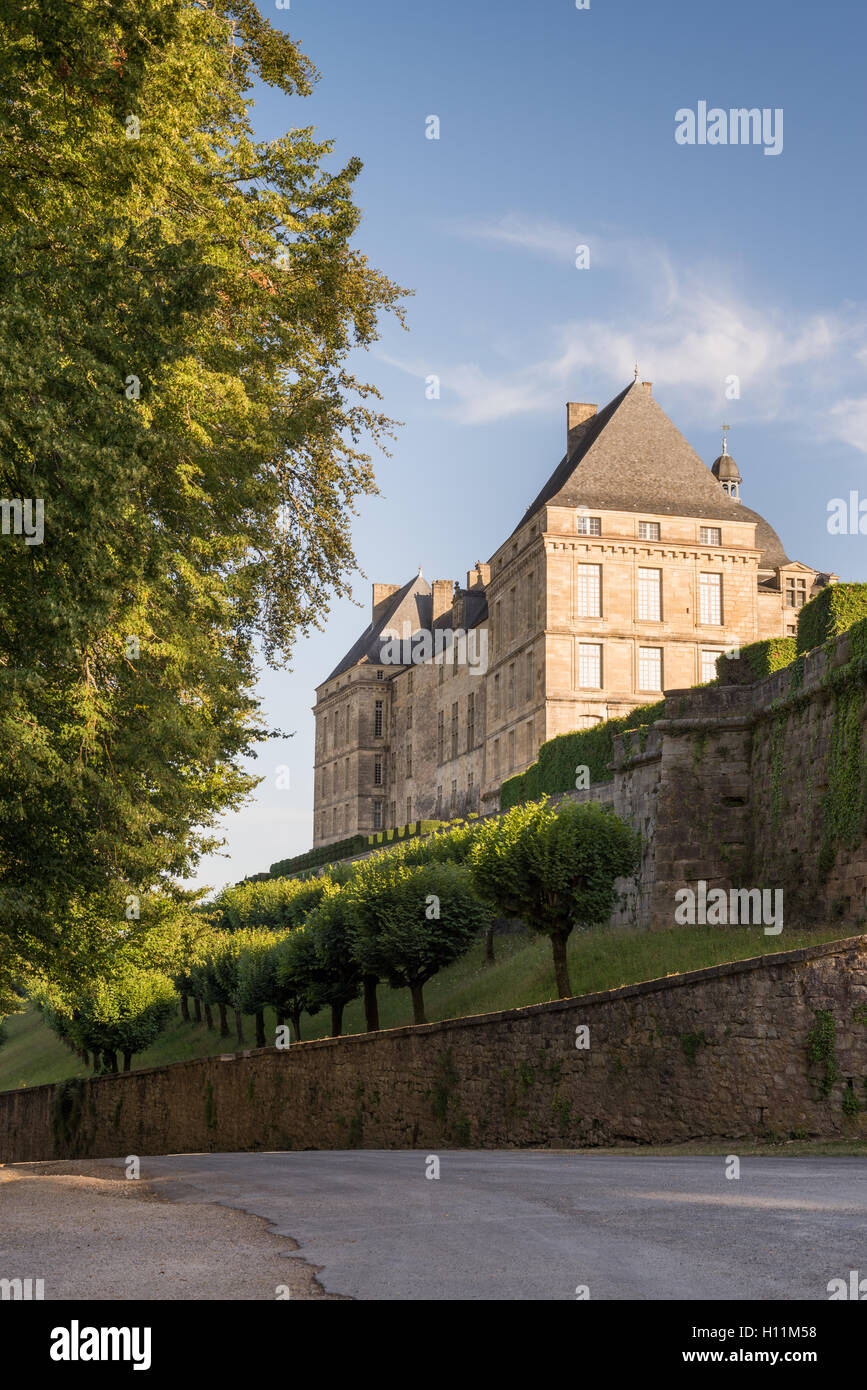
(412, 921)
(554, 867)
(335, 974)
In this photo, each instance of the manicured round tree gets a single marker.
(336, 978)
(555, 867)
(295, 960)
(410, 922)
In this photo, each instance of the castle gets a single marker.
(634, 567)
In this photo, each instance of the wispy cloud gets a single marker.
(690, 333)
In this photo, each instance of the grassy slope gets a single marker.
(522, 974)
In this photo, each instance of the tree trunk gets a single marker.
(417, 1003)
(209, 1018)
(185, 1008)
(336, 1020)
(296, 1024)
(224, 1021)
(197, 1008)
(85, 1056)
(239, 1026)
(127, 1061)
(111, 1061)
(281, 1019)
(260, 1028)
(371, 1007)
(561, 968)
(489, 946)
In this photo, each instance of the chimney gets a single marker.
(479, 577)
(648, 386)
(381, 593)
(577, 413)
(441, 593)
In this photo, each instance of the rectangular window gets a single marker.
(511, 704)
(511, 748)
(346, 775)
(408, 809)
(648, 530)
(454, 795)
(650, 595)
(334, 779)
(590, 665)
(796, 592)
(455, 729)
(708, 666)
(379, 675)
(531, 598)
(650, 668)
(588, 525)
(497, 695)
(409, 760)
(440, 736)
(377, 772)
(409, 675)
(513, 617)
(471, 722)
(529, 675)
(470, 790)
(499, 635)
(495, 758)
(377, 815)
(409, 716)
(710, 606)
(325, 732)
(710, 535)
(589, 604)
(377, 720)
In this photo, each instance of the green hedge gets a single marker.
(558, 758)
(345, 849)
(834, 609)
(757, 660)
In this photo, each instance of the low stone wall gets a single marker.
(765, 1046)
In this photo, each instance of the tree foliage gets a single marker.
(178, 303)
(555, 867)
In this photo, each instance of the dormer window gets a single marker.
(710, 535)
(588, 525)
(648, 530)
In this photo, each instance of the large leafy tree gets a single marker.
(554, 866)
(179, 303)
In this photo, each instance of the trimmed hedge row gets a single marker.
(757, 660)
(559, 757)
(345, 849)
(834, 609)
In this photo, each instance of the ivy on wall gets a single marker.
(757, 660)
(555, 770)
(834, 609)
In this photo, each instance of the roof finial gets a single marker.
(419, 572)
(636, 371)
(725, 446)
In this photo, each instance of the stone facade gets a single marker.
(715, 1054)
(632, 570)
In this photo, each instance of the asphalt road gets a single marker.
(519, 1225)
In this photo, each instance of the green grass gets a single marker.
(522, 974)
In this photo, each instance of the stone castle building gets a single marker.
(633, 568)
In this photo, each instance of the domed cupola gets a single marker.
(726, 472)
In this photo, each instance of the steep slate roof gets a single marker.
(413, 605)
(629, 457)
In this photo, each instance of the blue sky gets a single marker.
(706, 262)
